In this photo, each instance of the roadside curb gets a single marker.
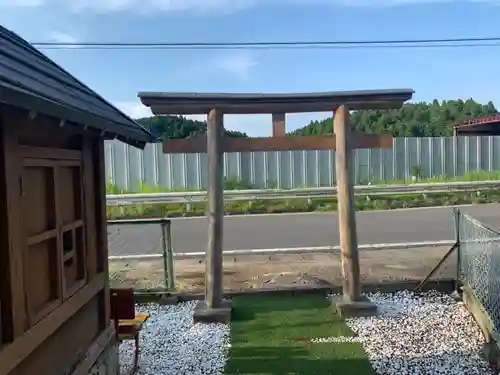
(292, 250)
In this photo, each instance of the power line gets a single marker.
(408, 43)
(408, 46)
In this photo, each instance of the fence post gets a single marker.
(168, 259)
(456, 221)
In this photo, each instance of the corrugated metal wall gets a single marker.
(127, 166)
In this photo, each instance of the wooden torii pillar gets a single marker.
(215, 308)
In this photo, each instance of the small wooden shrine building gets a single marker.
(54, 294)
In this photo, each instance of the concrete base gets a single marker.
(456, 296)
(491, 352)
(348, 309)
(207, 315)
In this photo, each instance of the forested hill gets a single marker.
(174, 127)
(411, 120)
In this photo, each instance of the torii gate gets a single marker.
(215, 308)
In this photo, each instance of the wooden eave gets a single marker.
(165, 103)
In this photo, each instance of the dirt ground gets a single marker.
(249, 272)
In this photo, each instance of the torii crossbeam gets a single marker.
(215, 144)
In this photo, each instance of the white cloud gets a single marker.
(391, 3)
(143, 6)
(60, 37)
(134, 109)
(21, 3)
(208, 6)
(198, 6)
(237, 64)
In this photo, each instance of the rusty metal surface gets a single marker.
(484, 125)
(489, 119)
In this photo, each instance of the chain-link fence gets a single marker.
(141, 257)
(140, 254)
(479, 263)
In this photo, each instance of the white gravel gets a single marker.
(420, 335)
(172, 344)
(411, 335)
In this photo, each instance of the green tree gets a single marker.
(175, 127)
(411, 120)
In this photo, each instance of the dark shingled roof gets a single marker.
(30, 80)
(197, 103)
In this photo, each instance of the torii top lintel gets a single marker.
(278, 105)
(166, 103)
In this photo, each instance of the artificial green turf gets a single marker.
(271, 335)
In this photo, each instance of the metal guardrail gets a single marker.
(266, 194)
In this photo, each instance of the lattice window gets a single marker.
(72, 228)
(55, 264)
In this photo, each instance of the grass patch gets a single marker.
(269, 318)
(271, 335)
(309, 205)
(304, 205)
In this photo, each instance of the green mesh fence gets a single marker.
(479, 263)
(141, 254)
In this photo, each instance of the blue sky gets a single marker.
(118, 75)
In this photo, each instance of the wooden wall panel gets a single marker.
(61, 351)
(101, 226)
(51, 232)
(16, 352)
(43, 131)
(89, 206)
(38, 200)
(72, 227)
(70, 193)
(42, 274)
(42, 292)
(13, 307)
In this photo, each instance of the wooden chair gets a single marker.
(128, 323)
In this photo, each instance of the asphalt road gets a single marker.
(299, 230)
